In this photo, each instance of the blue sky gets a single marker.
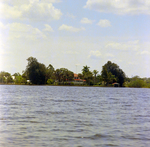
(75, 33)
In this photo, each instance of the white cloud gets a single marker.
(109, 55)
(33, 10)
(71, 15)
(104, 23)
(145, 52)
(21, 2)
(48, 28)
(70, 28)
(7, 11)
(120, 6)
(95, 54)
(51, 1)
(130, 45)
(86, 21)
(22, 31)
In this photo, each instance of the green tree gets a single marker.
(20, 80)
(116, 71)
(64, 74)
(50, 72)
(111, 78)
(80, 75)
(137, 82)
(2, 79)
(95, 72)
(36, 71)
(17, 74)
(58, 75)
(85, 69)
(104, 74)
(25, 75)
(99, 79)
(5, 77)
(70, 75)
(9, 79)
(50, 81)
(87, 75)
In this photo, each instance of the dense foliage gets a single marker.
(5, 77)
(87, 75)
(37, 73)
(138, 82)
(63, 75)
(112, 73)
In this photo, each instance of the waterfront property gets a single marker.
(116, 84)
(77, 80)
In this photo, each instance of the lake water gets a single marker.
(74, 116)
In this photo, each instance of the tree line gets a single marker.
(38, 74)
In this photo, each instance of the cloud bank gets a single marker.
(95, 54)
(120, 7)
(86, 21)
(104, 23)
(30, 9)
(70, 28)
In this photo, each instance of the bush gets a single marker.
(138, 83)
(50, 81)
(72, 83)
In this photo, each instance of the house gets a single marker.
(77, 79)
(116, 84)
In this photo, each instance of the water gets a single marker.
(74, 116)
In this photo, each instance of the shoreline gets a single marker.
(71, 86)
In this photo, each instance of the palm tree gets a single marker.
(95, 72)
(87, 74)
(85, 69)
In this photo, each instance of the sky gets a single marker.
(75, 33)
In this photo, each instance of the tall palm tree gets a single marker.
(95, 72)
(85, 69)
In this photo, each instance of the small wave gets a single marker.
(96, 136)
(127, 105)
(30, 136)
(30, 117)
(135, 138)
(11, 104)
(34, 122)
(23, 121)
(3, 119)
(111, 145)
(41, 130)
(142, 116)
(66, 100)
(39, 112)
(77, 130)
(55, 130)
(113, 98)
(23, 128)
(57, 112)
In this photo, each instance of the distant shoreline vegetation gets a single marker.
(37, 73)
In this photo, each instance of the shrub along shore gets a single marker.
(37, 73)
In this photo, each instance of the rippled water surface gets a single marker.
(74, 116)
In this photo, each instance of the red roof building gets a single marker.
(76, 78)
